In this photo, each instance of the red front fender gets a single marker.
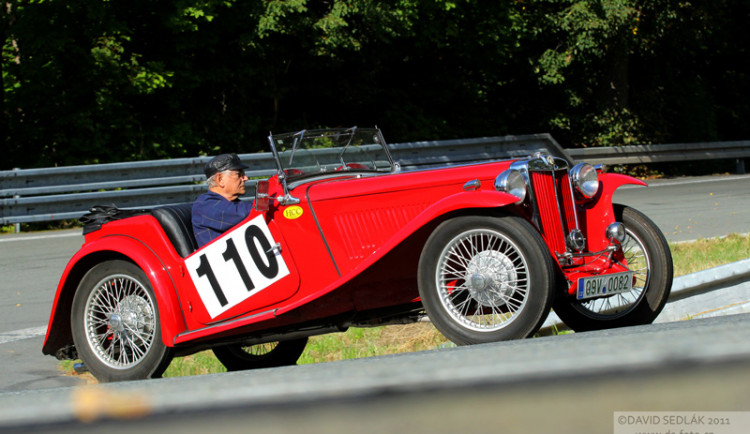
(598, 213)
(107, 248)
(464, 200)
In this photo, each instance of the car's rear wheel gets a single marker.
(486, 279)
(647, 254)
(240, 357)
(115, 324)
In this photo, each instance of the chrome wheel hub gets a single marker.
(487, 277)
(115, 323)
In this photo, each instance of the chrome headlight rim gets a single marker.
(575, 240)
(585, 179)
(615, 232)
(512, 182)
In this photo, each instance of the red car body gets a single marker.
(345, 253)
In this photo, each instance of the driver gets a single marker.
(220, 208)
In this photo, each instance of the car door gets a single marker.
(358, 216)
(247, 269)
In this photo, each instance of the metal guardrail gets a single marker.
(49, 194)
(635, 154)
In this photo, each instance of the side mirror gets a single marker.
(261, 196)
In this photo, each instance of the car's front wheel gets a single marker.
(115, 324)
(238, 357)
(647, 254)
(486, 279)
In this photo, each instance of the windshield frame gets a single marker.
(320, 160)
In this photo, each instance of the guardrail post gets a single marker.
(740, 166)
(17, 225)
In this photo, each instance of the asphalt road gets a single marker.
(30, 268)
(691, 208)
(31, 265)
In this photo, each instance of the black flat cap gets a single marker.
(223, 162)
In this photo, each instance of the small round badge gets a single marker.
(293, 212)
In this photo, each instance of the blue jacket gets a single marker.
(213, 215)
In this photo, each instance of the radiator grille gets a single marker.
(555, 207)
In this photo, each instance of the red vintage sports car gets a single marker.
(340, 236)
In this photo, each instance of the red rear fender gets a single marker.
(107, 248)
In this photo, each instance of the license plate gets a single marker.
(608, 284)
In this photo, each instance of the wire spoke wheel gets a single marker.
(482, 280)
(486, 279)
(115, 324)
(120, 321)
(238, 357)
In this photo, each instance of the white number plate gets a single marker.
(236, 266)
(607, 284)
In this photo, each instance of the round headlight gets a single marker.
(585, 179)
(511, 181)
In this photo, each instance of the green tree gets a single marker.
(114, 80)
(637, 71)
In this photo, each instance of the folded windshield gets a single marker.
(314, 152)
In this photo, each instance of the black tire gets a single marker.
(466, 273)
(240, 357)
(648, 255)
(116, 325)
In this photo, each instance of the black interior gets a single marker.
(177, 223)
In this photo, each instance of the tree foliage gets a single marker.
(89, 81)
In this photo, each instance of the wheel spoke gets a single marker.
(260, 349)
(143, 337)
(462, 305)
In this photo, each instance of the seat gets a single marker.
(176, 220)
